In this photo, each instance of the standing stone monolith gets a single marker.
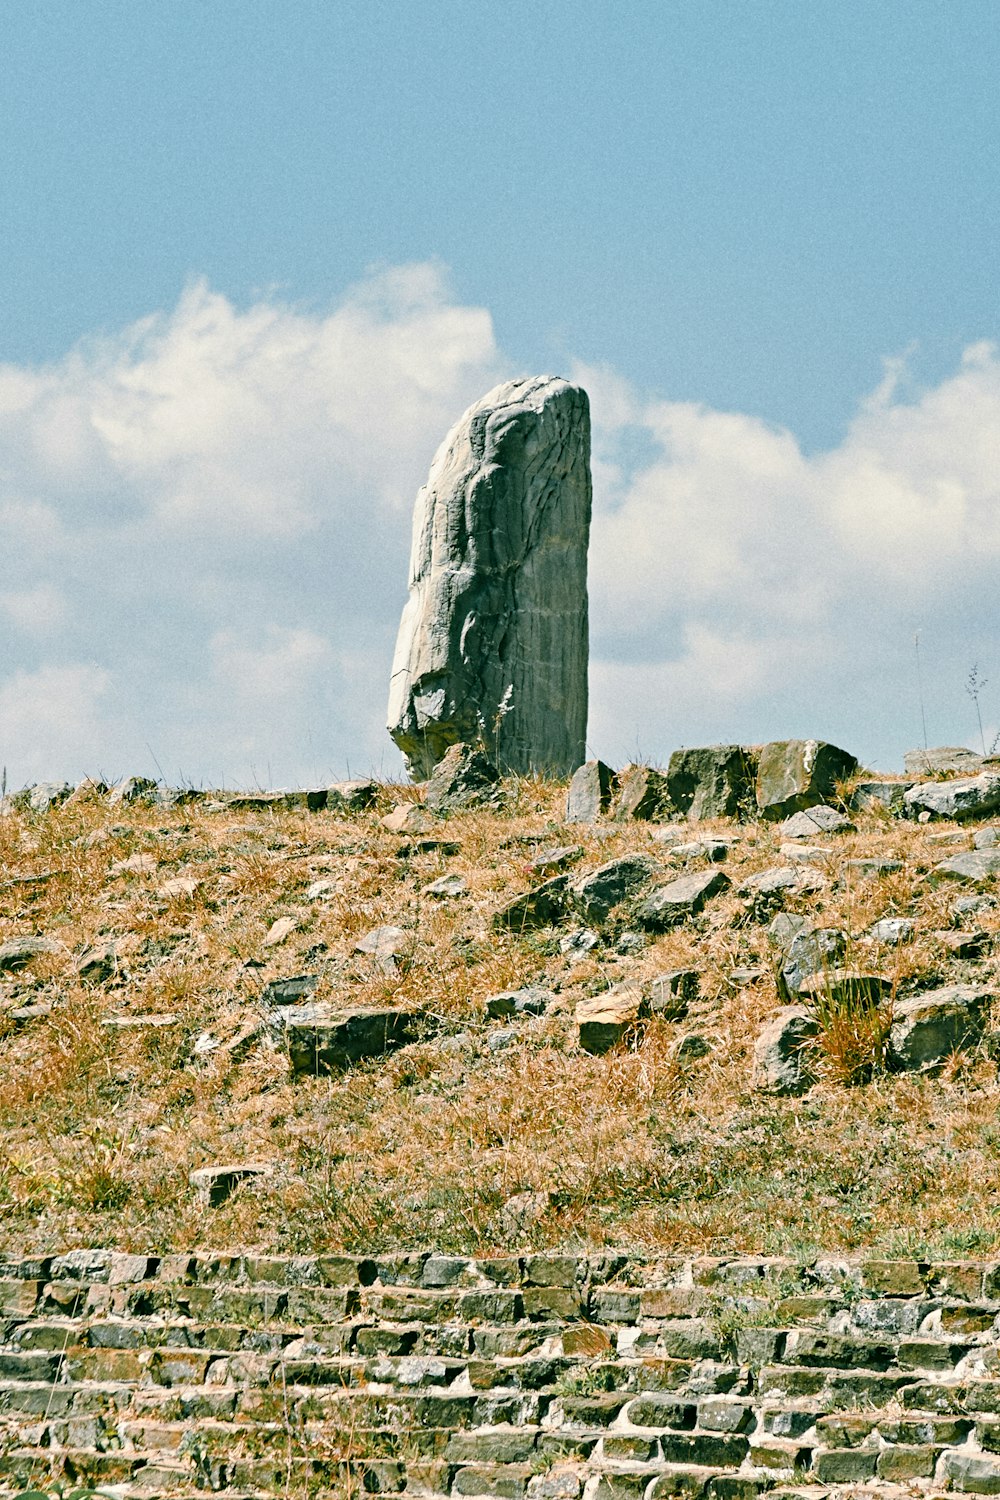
(492, 646)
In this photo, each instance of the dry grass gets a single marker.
(101, 1126)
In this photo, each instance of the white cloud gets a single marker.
(212, 508)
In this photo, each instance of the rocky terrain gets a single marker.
(368, 1017)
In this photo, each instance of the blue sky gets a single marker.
(257, 259)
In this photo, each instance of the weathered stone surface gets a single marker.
(589, 792)
(18, 953)
(493, 639)
(407, 817)
(795, 774)
(973, 798)
(347, 796)
(671, 993)
(532, 1000)
(640, 793)
(781, 1064)
(132, 789)
(972, 865)
(596, 892)
(778, 878)
(98, 962)
(875, 796)
(215, 1184)
(464, 777)
(927, 1028)
(605, 1020)
(680, 899)
(846, 987)
(323, 1039)
(942, 758)
(892, 931)
(543, 906)
(46, 794)
(813, 820)
(809, 952)
(712, 781)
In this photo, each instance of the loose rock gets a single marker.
(641, 793)
(813, 820)
(781, 1053)
(955, 799)
(605, 1020)
(595, 893)
(796, 774)
(973, 865)
(589, 792)
(927, 1028)
(712, 781)
(18, 953)
(463, 778)
(679, 900)
(942, 758)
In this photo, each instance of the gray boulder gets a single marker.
(132, 789)
(680, 899)
(972, 798)
(942, 758)
(813, 820)
(463, 778)
(641, 793)
(781, 1060)
(972, 865)
(927, 1028)
(589, 792)
(493, 640)
(810, 952)
(879, 796)
(46, 794)
(795, 774)
(712, 781)
(595, 893)
(18, 953)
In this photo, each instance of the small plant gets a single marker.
(974, 685)
(852, 1044)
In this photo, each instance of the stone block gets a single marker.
(712, 781)
(796, 774)
(590, 792)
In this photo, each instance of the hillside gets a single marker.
(142, 1043)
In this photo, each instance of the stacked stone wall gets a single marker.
(549, 1376)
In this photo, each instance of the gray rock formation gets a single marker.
(492, 646)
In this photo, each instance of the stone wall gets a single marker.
(551, 1375)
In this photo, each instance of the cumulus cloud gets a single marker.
(206, 528)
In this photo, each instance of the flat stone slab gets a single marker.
(972, 798)
(812, 820)
(605, 1020)
(972, 865)
(674, 903)
(323, 1039)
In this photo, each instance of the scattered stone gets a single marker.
(810, 951)
(986, 838)
(407, 817)
(714, 850)
(779, 878)
(47, 794)
(548, 860)
(320, 889)
(942, 758)
(595, 893)
(98, 963)
(493, 640)
(805, 854)
(631, 942)
(215, 1184)
(970, 906)
(781, 1053)
(132, 789)
(670, 834)
(18, 953)
(671, 993)
(873, 868)
(580, 942)
(542, 907)
(974, 865)
(350, 796)
(180, 885)
(589, 792)
(964, 945)
(679, 900)
(613, 1017)
(151, 1022)
(787, 925)
(23, 1015)
(463, 778)
(892, 931)
(879, 796)
(445, 847)
(136, 864)
(641, 794)
(712, 781)
(742, 976)
(291, 991)
(796, 774)
(955, 799)
(813, 820)
(279, 931)
(530, 1001)
(446, 887)
(689, 1048)
(87, 790)
(323, 1039)
(383, 942)
(927, 1028)
(522, 1212)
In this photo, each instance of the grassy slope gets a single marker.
(100, 1128)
